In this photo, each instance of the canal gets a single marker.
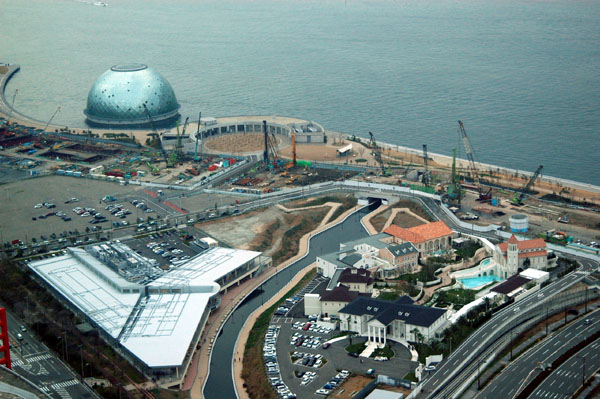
(220, 383)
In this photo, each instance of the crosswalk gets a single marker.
(27, 363)
(59, 388)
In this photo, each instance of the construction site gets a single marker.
(262, 154)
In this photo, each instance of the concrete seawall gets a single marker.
(5, 106)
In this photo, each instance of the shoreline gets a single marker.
(141, 134)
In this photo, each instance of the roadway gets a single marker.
(569, 377)
(526, 367)
(34, 361)
(498, 326)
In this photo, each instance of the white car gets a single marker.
(37, 206)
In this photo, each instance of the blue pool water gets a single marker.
(474, 282)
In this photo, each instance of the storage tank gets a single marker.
(519, 223)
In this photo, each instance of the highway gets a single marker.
(526, 367)
(470, 350)
(38, 364)
(566, 379)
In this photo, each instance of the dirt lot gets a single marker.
(238, 143)
(584, 225)
(328, 152)
(264, 230)
(355, 383)
(247, 227)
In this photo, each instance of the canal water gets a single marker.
(220, 383)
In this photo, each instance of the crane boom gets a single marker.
(50, 120)
(469, 153)
(472, 166)
(518, 200)
(178, 149)
(294, 147)
(426, 174)
(197, 134)
(266, 151)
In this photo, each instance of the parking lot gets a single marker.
(304, 360)
(19, 199)
(166, 248)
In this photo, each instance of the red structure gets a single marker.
(4, 343)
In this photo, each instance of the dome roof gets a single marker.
(118, 97)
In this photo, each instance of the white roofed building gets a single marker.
(156, 317)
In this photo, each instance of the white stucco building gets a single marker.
(401, 321)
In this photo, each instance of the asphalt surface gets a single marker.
(336, 359)
(568, 378)
(522, 370)
(43, 368)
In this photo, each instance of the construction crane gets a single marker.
(154, 130)
(372, 140)
(153, 169)
(273, 149)
(50, 120)
(11, 110)
(266, 151)
(294, 148)
(518, 198)
(483, 196)
(196, 158)
(377, 153)
(455, 192)
(426, 178)
(178, 147)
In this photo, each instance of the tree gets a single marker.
(417, 334)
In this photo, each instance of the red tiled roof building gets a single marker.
(515, 254)
(427, 238)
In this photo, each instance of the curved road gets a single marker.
(525, 368)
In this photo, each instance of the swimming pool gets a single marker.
(475, 282)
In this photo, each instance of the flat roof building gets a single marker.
(156, 321)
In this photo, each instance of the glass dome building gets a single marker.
(125, 95)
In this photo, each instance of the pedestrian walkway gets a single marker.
(370, 348)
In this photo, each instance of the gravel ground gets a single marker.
(247, 227)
